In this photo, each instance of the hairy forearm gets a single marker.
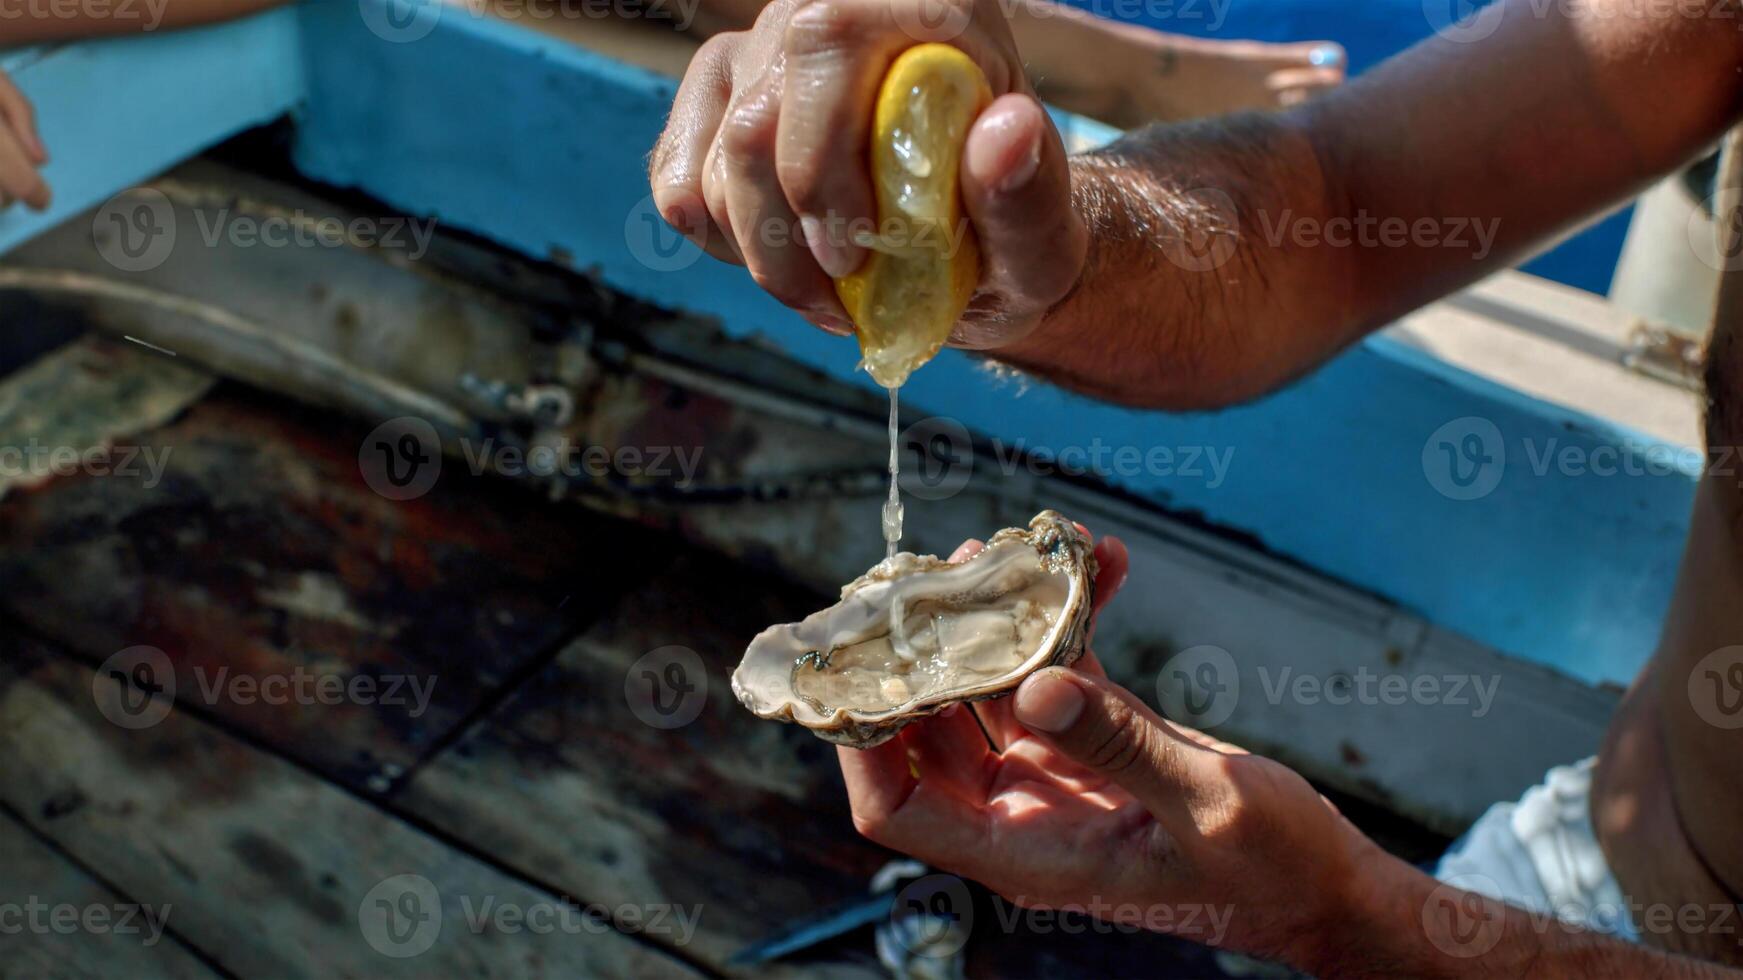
(1447, 163)
(1194, 292)
(1404, 923)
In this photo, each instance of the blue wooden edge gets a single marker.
(502, 132)
(114, 112)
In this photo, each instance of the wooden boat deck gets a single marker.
(264, 829)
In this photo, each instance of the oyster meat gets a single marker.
(918, 634)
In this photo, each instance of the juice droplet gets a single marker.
(892, 517)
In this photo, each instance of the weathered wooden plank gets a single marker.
(103, 934)
(73, 406)
(745, 818)
(271, 577)
(748, 820)
(270, 871)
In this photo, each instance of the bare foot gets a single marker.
(1192, 77)
(1130, 75)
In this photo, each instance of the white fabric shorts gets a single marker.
(1542, 855)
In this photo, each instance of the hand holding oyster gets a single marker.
(918, 634)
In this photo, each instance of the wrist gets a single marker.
(1372, 923)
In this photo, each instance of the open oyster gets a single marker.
(917, 634)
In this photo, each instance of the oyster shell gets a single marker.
(918, 634)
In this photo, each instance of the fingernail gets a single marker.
(679, 217)
(1326, 55)
(1026, 166)
(1006, 150)
(837, 260)
(831, 323)
(1049, 702)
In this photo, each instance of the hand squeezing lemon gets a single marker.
(924, 262)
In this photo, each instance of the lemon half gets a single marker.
(924, 262)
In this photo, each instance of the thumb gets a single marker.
(1017, 190)
(1107, 730)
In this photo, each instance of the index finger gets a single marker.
(837, 52)
(17, 111)
(18, 177)
(925, 818)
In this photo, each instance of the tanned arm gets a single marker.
(1210, 278)
(79, 20)
(1404, 923)
(1127, 74)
